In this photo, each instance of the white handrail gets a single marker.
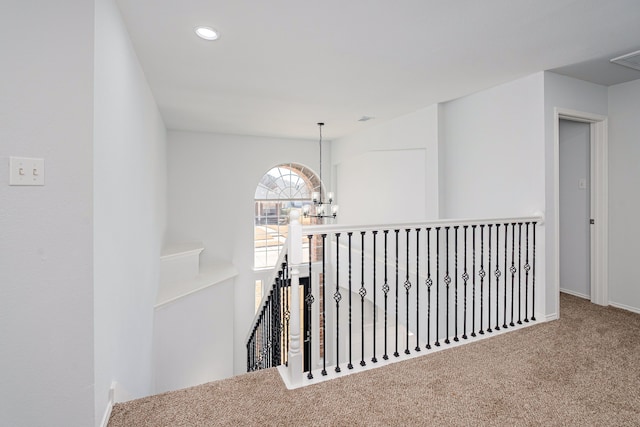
(537, 217)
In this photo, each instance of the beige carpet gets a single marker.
(583, 370)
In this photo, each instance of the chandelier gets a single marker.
(321, 208)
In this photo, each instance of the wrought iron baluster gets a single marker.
(455, 285)
(506, 240)
(513, 268)
(497, 273)
(429, 283)
(489, 284)
(309, 301)
(324, 312)
(275, 315)
(465, 278)
(407, 286)
(268, 331)
(481, 273)
(519, 273)
(533, 276)
(363, 293)
(385, 290)
(447, 282)
(374, 359)
(350, 364)
(337, 297)
(437, 343)
(250, 354)
(417, 289)
(473, 280)
(527, 267)
(287, 317)
(396, 354)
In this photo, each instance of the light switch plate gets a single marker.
(26, 171)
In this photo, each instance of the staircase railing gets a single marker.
(268, 339)
(389, 292)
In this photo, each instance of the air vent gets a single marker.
(631, 60)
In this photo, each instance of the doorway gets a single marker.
(598, 221)
(575, 208)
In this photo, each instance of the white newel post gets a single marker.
(295, 259)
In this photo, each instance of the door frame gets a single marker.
(599, 201)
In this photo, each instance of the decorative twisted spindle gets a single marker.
(337, 297)
(447, 282)
(455, 286)
(374, 359)
(473, 280)
(506, 239)
(497, 273)
(489, 285)
(407, 286)
(363, 293)
(519, 273)
(429, 283)
(417, 290)
(533, 278)
(350, 364)
(396, 354)
(513, 268)
(465, 278)
(385, 290)
(527, 267)
(437, 343)
(481, 273)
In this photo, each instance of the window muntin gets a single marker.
(282, 189)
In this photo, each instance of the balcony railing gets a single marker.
(383, 293)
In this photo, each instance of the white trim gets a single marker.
(109, 408)
(537, 217)
(624, 307)
(575, 294)
(599, 202)
(209, 275)
(552, 316)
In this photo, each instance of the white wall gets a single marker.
(389, 172)
(493, 163)
(568, 93)
(130, 210)
(191, 336)
(494, 151)
(624, 198)
(212, 182)
(46, 261)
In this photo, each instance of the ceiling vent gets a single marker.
(631, 60)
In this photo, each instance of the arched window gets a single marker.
(283, 188)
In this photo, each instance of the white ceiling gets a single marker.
(280, 66)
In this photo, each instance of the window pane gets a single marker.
(281, 190)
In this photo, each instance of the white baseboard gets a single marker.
(624, 307)
(575, 294)
(552, 316)
(109, 408)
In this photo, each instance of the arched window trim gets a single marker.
(282, 188)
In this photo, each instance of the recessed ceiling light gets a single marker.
(207, 33)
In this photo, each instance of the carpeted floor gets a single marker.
(582, 370)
